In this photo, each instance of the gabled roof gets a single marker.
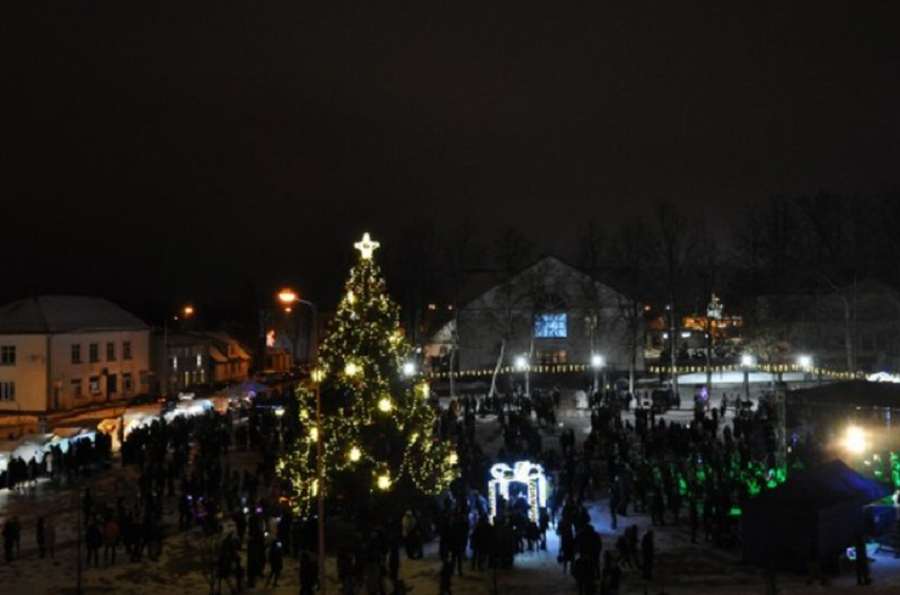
(50, 314)
(543, 265)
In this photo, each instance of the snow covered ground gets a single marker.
(183, 567)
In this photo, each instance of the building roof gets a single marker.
(49, 314)
(824, 486)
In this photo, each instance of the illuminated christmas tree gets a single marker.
(379, 441)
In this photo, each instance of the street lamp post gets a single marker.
(598, 363)
(522, 364)
(747, 362)
(317, 376)
(288, 297)
(673, 386)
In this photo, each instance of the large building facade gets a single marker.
(64, 352)
(550, 313)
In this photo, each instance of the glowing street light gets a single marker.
(747, 362)
(805, 362)
(522, 364)
(409, 369)
(598, 362)
(288, 297)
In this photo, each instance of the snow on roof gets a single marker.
(65, 314)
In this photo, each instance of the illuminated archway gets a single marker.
(526, 472)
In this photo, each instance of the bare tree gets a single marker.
(462, 251)
(677, 240)
(512, 252)
(632, 253)
(593, 248)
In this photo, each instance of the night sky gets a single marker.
(190, 150)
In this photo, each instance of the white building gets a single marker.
(65, 352)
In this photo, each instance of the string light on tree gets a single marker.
(378, 426)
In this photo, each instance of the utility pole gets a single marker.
(673, 386)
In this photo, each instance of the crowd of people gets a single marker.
(697, 475)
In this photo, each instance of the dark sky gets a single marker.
(180, 149)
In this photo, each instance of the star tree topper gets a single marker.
(366, 246)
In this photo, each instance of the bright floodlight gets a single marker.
(804, 361)
(409, 369)
(521, 362)
(748, 360)
(855, 440)
(597, 360)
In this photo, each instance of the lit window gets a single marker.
(549, 358)
(550, 326)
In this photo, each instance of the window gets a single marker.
(549, 358)
(551, 325)
(76, 354)
(94, 353)
(94, 385)
(110, 352)
(126, 350)
(7, 391)
(127, 383)
(76, 388)
(7, 355)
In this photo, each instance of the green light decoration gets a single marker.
(378, 431)
(753, 487)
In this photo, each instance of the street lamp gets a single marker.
(747, 362)
(522, 364)
(805, 362)
(288, 297)
(598, 362)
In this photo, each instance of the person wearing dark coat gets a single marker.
(309, 573)
(647, 555)
(862, 561)
(276, 563)
(41, 537)
(94, 539)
